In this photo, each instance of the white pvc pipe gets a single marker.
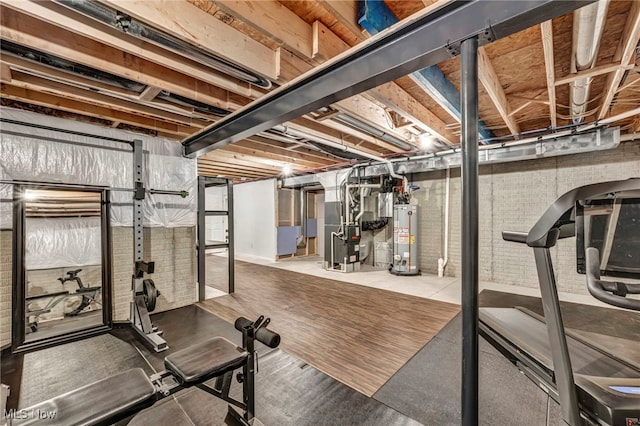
(588, 25)
(442, 262)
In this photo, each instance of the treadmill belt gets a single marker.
(530, 335)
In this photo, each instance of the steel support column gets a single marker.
(469, 142)
(202, 268)
(420, 42)
(230, 237)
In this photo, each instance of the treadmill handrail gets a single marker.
(602, 290)
(538, 236)
(514, 236)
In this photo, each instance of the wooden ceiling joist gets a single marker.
(624, 54)
(149, 93)
(302, 160)
(38, 35)
(546, 30)
(261, 143)
(267, 17)
(40, 84)
(194, 26)
(232, 162)
(591, 72)
(489, 79)
(394, 97)
(346, 13)
(78, 107)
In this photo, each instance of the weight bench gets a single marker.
(118, 397)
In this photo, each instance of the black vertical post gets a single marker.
(230, 249)
(202, 267)
(105, 217)
(19, 279)
(469, 141)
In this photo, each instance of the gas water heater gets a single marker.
(405, 240)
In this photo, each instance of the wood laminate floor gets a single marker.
(359, 335)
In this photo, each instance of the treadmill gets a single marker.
(595, 384)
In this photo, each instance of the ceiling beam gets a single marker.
(591, 72)
(376, 17)
(489, 79)
(346, 13)
(264, 143)
(624, 55)
(59, 16)
(396, 98)
(358, 134)
(40, 84)
(546, 30)
(82, 108)
(320, 131)
(241, 149)
(5, 72)
(237, 156)
(195, 26)
(377, 61)
(149, 93)
(389, 94)
(269, 18)
(226, 162)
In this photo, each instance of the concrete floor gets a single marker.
(446, 289)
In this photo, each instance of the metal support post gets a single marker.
(230, 250)
(202, 267)
(469, 136)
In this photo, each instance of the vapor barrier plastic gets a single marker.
(62, 242)
(52, 156)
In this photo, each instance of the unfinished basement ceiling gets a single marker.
(172, 68)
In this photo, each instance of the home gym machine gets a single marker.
(593, 384)
(117, 398)
(144, 290)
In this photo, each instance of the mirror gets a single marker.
(63, 252)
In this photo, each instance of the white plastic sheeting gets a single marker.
(33, 154)
(62, 242)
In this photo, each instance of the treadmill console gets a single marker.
(612, 225)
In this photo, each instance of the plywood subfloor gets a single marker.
(359, 335)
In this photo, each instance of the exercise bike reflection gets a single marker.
(83, 301)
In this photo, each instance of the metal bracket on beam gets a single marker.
(485, 36)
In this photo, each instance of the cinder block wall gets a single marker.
(512, 197)
(173, 250)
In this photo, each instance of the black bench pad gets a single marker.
(205, 360)
(95, 403)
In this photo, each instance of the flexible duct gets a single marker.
(588, 25)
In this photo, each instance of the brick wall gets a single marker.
(5, 287)
(173, 250)
(512, 197)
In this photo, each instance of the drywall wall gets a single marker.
(254, 210)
